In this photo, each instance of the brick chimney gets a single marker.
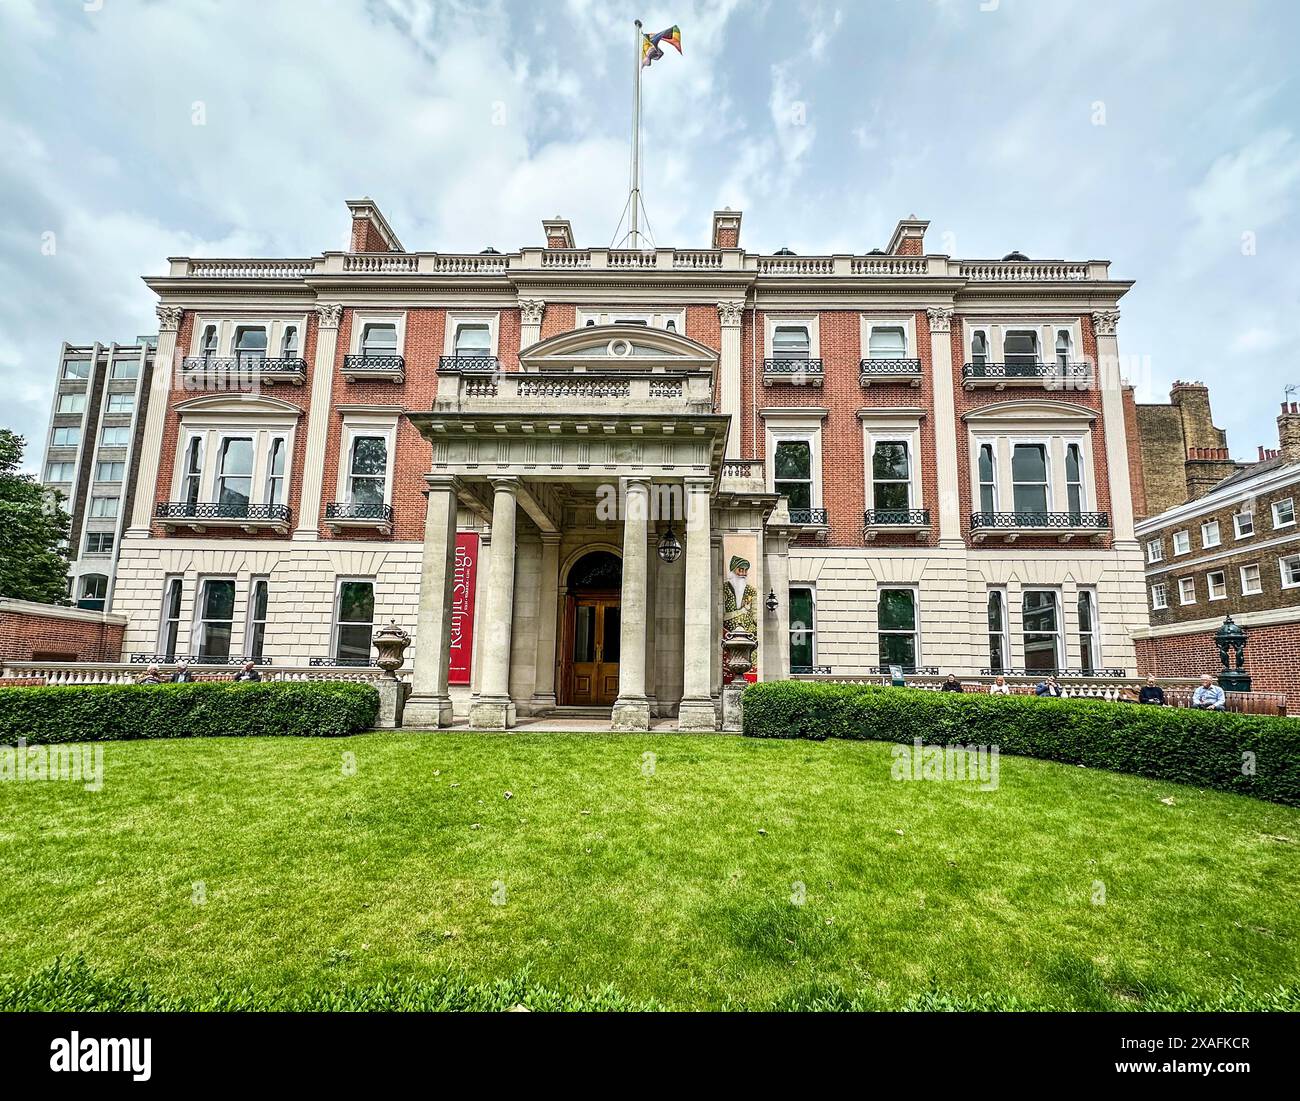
(908, 238)
(559, 234)
(726, 228)
(1288, 431)
(370, 229)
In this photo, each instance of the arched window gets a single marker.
(289, 343)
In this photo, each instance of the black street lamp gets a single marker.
(670, 547)
(771, 600)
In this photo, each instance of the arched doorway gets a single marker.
(589, 657)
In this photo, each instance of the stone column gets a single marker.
(547, 615)
(430, 701)
(699, 643)
(948, 443)
(1104, 323)
(530, 321)
(729, 392)
(492, 709)
(632, 709)
(328, 318)
(652, 620)
(160, 387)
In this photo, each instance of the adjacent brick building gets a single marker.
(48, 632)
(886, 458)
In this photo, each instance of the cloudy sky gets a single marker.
(1159, 134)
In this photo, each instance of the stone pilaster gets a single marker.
(632, 709)
(430, 701)
(774, 650)
(530, 321)
(328, 318)
(1104, 323)
(947, 443)
(547, 617)
(700, 650)
(164, 365)
(492, 709)
(729, 392)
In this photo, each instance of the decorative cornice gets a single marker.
(169, 318)
(531, 310)
(1104, 322)
(940, 319)
(329, 315)
(730, 314)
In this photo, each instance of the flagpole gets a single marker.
(636, 139)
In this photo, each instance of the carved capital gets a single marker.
(730, 313)
(940, 319)
(169, 318)
(1105, 321)
(329, 315)
(531, 310)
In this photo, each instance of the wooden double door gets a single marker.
(591, 646)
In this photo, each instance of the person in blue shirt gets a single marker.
(1209, 696)
(1050, 687)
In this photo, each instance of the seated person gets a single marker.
(1152, 693)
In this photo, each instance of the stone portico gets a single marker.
(586, 459)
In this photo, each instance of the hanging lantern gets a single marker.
(670, 547)
(771, 600)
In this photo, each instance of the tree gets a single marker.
(33, 531)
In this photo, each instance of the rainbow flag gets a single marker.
(650, 51)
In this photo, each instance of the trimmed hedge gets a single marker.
(1205, 749)
(118, 712)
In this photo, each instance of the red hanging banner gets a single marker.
(462, 607)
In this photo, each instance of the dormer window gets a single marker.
(379, 340)
(791, 342)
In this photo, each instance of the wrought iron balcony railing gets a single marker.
(342, 663)
(194, 659)
(374, 366)
(910, 670)
(358, 512)
(242, 511)
(1048, 521)
(877, 520)
(469, 363)
(799, 372)
(808, 517)
(292, 367)
(1052, 673)
(811, 670)
(1068, 376)
(889, 370)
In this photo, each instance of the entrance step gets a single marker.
(573, 712)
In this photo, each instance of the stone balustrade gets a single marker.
(79, 673)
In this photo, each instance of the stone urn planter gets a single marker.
(391, 643)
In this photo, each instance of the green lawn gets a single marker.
(671, 884)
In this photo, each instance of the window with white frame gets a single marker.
(1064, 348)
(60, 472)
(1187, 590)
(1210, 533)
(99, 542)
(208, 343)
(289, 342)
(792, 466)
(1284, 513)
(1159, 596)
(1155, 550)
(255, 635)
(979, 347)
(1074, 479)
(891, 479)
(1089, 650)
(987, 478)
(473, 339)
(192, 471)
(216, 617)
(76, 369)
(999, 648)
(1040, 621)
(354, 618)
(110, 471)
(1250, 580)
(803, 628)
(235, 453)
(92, 593)
(169, 630)
(71, 403)
(368, 470)
(235, 472)
(103, 508)
(275, 471)
(1243, 524)
(887, 342)
(250, 344)
(1020, 348)
(121, 403)
(791, 341)
(1216, 585)
(1029, 486)
(1289, 568)
(896, 627)
(115, 435)
(1182, 542)
(65, 436)
(379, 338)
(125, 369)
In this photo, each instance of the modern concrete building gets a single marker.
(568, 471)
(92, 455)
